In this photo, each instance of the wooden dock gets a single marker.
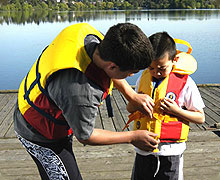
(201, 159)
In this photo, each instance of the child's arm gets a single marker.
(170, 106)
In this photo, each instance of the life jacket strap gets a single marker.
(27, 93)
(109, 106)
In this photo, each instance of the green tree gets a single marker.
(38, 7)
(44, 6)
(50, 4)
(198, 5)
(98, 4)
(4, 2)
(165, 4)
(126, 5)
(27, 7)
(135, 5)
(18, 5)
(192, 4)
(183, 4)
(79, 6)
(153, 5)
(91, 6)
(63, 7)
(117, 4)
(109, 5)
(103, 5)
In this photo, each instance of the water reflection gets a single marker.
(38, 17)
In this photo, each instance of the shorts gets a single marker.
(152, 167)
(55, 161)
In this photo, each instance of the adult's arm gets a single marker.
(141, 138)
(141, 102)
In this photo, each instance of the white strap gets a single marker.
(158, 165)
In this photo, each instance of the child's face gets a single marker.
(161, 68)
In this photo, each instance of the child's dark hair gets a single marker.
(163, 43)
(127, 46)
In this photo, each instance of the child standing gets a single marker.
(177, 102)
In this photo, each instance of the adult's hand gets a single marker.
(141, 102)
(144, 140)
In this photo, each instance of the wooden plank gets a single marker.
(120, 103)
(6, 118)
(12, 152)
(117, 118)
(4, 101)
(7, 105)
(214, 109)
(7, 125)
(8, 145)
(1, 99)
(211, 159)
(195, 127)
(203, 148)
(10, 133)
(203, 173)
(98, 122)
(105, 162)
(213, 92)
(117, 175)
(95, 162)
(201, 158)
(107, 167)
(110, 151)
(19, 164)
(27, 172)
(216, 90)
(203, 136)
(214, 117)
(16, 177)
(210, 97)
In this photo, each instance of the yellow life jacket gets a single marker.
(66, 51)
(168, 128)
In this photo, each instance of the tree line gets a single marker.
(82, 5)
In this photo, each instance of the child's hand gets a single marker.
(169, 106)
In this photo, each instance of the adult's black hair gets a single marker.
(127, 46)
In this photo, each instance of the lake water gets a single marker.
(24, 36)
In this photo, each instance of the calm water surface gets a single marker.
(23, 37)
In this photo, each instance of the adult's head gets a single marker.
(127, 46)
